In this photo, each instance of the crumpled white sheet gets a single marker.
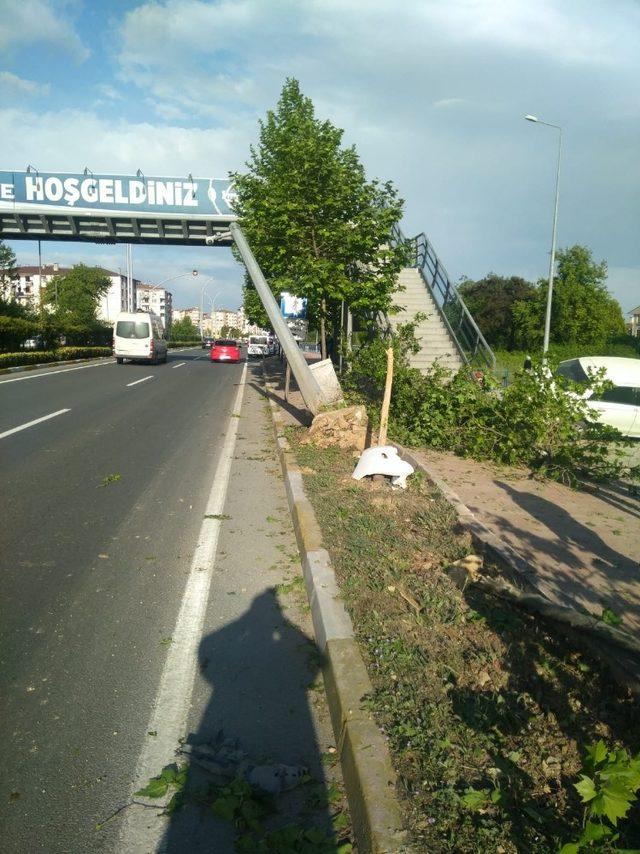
(383, 460)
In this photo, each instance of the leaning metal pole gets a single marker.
(307, 383)
(552, 260)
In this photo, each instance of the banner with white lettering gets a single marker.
(129, 194)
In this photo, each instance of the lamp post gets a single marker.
(552, 261)
(193, 273)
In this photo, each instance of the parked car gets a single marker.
(258, 346)
(33, 343)
(139, 336)
(225, 350)
(619, 406)
(207, 342)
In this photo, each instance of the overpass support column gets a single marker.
(307, 383)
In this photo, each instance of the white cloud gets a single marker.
(27, 22)
(449, 102)
(12, 85)
(75, 138)
(109, 92)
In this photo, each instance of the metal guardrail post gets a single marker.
(307, 383)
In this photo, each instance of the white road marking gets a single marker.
(150, 377)
(61, 371)
(179, 365)
(32, 423)
(173, 700)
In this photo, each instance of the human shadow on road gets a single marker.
(260, 668)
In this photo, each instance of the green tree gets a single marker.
(491, 300)
(317, 227)
(253, 307)
(184, 330)
(583, 312)
(69, 307)
(8, 274)
(74, 297)
(230, 332)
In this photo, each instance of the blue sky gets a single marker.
(431, 92)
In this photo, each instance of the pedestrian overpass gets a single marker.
(115, 208)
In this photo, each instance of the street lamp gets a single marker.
(552, 261)
(193, 273)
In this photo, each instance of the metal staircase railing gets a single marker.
(454, 312)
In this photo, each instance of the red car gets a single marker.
(225, 350)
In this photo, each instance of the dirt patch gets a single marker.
(488, 711)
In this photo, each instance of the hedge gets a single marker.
(63, 354)
(173, 344)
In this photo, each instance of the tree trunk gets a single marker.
(323, 332)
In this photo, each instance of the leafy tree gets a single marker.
(184, 330)
(583, 312)
(75, 296)
(317, 227)
(491, 300)
(8, 274)
(8, 269)
(230, 332)
(253, 307)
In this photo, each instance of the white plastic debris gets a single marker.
(383, 460)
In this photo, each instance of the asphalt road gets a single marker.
(98, 506)
(102, 509)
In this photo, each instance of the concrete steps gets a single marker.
(436, 342)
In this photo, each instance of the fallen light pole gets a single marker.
(307, 383)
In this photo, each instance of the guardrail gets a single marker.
(454, 312)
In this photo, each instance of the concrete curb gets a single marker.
(369, 776)
(19, 368)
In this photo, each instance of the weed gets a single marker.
(110, 478)
(295, 585)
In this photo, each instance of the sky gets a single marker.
(431, 92)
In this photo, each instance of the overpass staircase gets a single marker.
(449, 335)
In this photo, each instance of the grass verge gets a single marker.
(488, 713)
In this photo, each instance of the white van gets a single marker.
(139, 336)
(619, 406)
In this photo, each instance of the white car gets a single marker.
(619, 406)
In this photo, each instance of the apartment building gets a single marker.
(192, 313)
(156, 299)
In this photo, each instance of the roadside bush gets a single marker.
(14, 330)
(173, 344)
(534, 422)
(63, 354)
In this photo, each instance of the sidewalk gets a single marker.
(583, 547)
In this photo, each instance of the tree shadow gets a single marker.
(260, 668)
(618, 573)
(621, 496)
(551, 693)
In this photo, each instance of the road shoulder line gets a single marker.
(173, 699)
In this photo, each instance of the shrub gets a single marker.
(173, 344)
(535, 422)
(63, 354)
